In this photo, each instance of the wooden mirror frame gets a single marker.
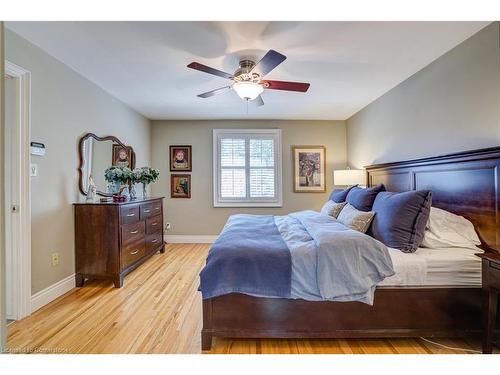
(80, 152)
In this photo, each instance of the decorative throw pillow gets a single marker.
(362, 199)
(332, 209)
(401, 218)
(355, 219)
(339, 196)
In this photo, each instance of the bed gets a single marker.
(447, 304)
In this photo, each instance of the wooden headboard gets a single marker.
(465, 183)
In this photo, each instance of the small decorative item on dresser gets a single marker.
(491, 289)
(145, 175)
(180, 159)
(180, 186)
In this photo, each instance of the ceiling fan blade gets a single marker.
(213, 92)
(270, 61)
(258, 101)
(284, 85)
(209, 70)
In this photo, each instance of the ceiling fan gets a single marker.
(248, 79)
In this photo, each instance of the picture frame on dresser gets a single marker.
(112, 239)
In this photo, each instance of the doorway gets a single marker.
(17, 191)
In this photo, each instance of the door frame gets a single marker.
(21, 222)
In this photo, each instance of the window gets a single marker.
(247, 168)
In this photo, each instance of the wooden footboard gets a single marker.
(397, 312)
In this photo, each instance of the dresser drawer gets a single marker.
(154, 224)
(133, 232)
(157, 207)
(129, 214)
(133, 252)
(154, 241)
(147, 210)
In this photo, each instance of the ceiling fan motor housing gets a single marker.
(243, 73)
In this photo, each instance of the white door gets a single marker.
(12, 175)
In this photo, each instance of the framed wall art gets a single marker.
(180, 186)
(309, 164)
(180, 159)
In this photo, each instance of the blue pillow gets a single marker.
(362, 199)
(400, 218)
(339, 196)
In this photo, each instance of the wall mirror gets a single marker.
(99, 153)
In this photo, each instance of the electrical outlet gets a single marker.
(55, 259)
(168, 226)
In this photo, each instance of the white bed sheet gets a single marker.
(447, 266)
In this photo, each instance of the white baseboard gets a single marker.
(49, 294)
(187, 238)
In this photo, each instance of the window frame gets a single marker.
(277, 201)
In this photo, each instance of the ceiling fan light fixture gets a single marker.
(248, 90)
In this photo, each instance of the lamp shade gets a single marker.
(348, 177)
(248, 90)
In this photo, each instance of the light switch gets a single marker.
(34, 170)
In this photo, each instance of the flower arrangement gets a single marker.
(145, 175)
(118, 174)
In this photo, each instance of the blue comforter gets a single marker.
(302, 255)
(249, 256)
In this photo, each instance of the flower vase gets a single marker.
(144, 190)
(114, 187)
(132, 192)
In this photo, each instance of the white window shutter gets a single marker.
(247, 167)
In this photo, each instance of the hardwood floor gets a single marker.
(159, 311)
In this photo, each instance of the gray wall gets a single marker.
(197, 216)
(451, 105)
(64, 107)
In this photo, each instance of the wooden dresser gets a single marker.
(112, 239)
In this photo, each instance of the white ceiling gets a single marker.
(349, 64)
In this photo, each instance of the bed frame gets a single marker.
(466, 183)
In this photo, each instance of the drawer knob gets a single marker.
(134, 252)
(146, 211)
(153, 224)
(134, 232)
(155, 240)
(157, 208)
(130, 215)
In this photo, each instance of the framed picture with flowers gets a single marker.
(309, 169)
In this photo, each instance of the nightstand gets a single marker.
(491, 288)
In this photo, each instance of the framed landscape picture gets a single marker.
(180, 159)
(180, 186)
(309, 163)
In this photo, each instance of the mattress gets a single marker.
(433, 267)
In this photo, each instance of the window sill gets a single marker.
(249, 204)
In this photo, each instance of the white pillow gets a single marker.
(355, 219)
(445, 229)
(332, 208)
